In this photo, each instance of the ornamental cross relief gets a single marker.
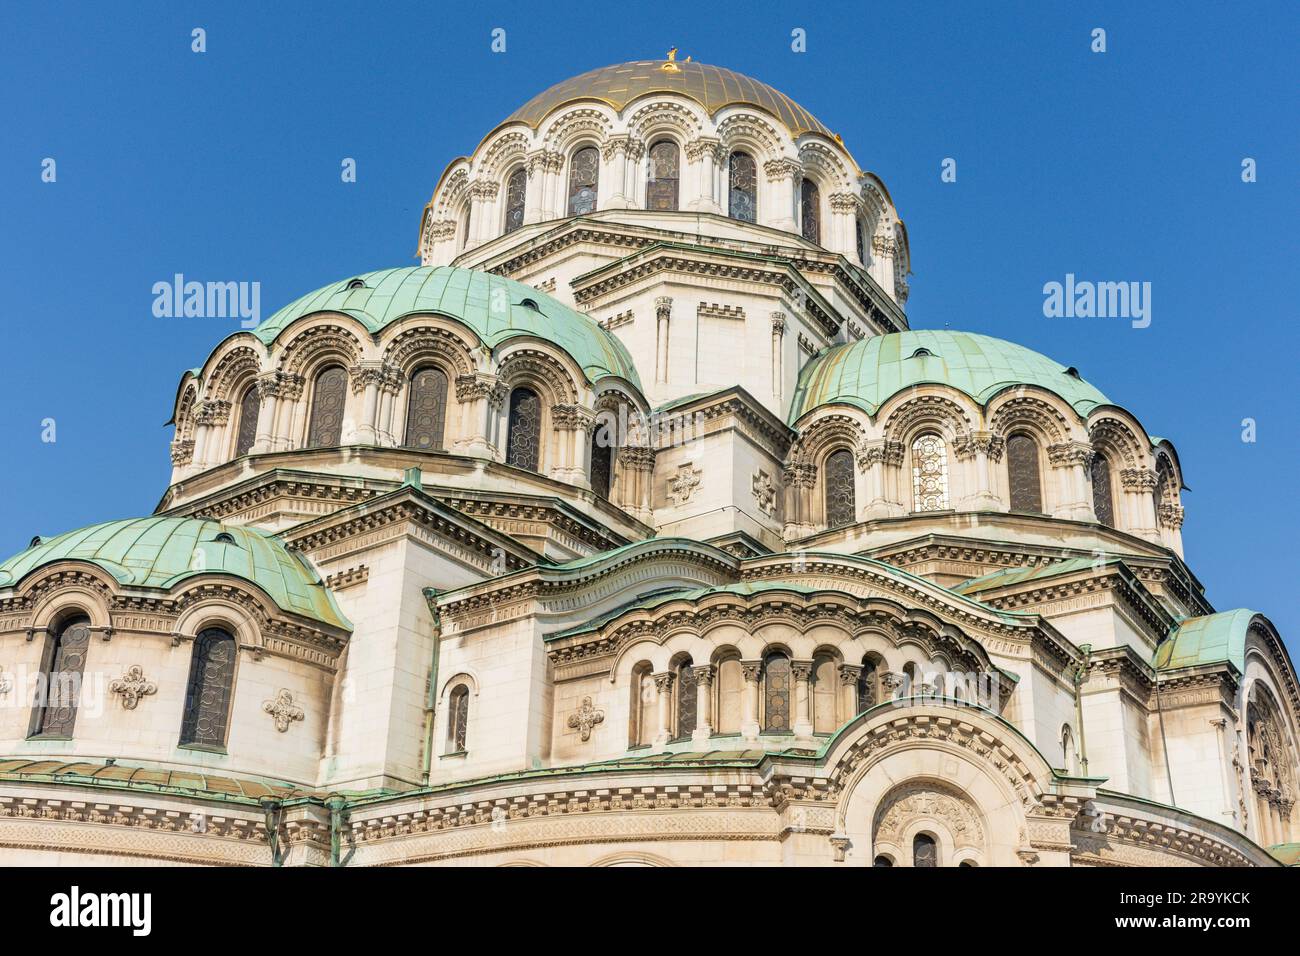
(682, 484)
(283, 710)
(586, 718)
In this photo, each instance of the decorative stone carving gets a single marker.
(930, 801)
(764, 492)
(283, 710)
(6, 683)
(683, 484)
(586, 718)
(132, 686)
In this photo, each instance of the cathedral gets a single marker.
(635, 526)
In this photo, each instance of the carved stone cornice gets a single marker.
(968, 443)
(213, 411)
(1138, 479)
(880, 451)
(182, 451)
(781, 168)
(1070, 453)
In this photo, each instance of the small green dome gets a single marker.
(867, 373)
(158, 552)
(492, 306)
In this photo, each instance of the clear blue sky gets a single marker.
(225, 166)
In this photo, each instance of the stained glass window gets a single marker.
(1102, 502)
(840, 508)
(458, 719)
(742, 191)
(929, 474)
(686, 699)
(247, 434)
(63, 678)
(516, 195)
(810, 211)
(924, 851)
(867, 686)
(776, 693)
(602, 461)
(208, 693)
(426, 408)
(584, 175)
(525, 429)
(661, 189)
(1022, 472)
(328, 399)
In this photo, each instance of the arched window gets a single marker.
(731, 695)
(64, 665)
(524, 432)
(247, 434)
(1102, 502)
(328, 399)
(602, 462)
(970, 863)
(742, 187)
(929, 473)
(776, 694)
(810, 212)
(464, 225)
(426, 408)
(1022, 473)
(868, 686)
(516, 197)
(924, 851)
(825, 688)
(883, 861)
(206, 716)
(1164, 488)
(665, 167)
(457, 719)
(840, 507)
(911, 686)
(641, 706)
(860, 241)
(1068, 755)
(684, 685)
(584, 176)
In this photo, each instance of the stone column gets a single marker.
(1139, 490)
(365, 378)
(572, 425)
(664, 695)
(703, 702)
(663, 313)
(781, 176)
(844, 212)
(472, 392)
(849, 676)
(615, 163)
(799, 481)
(1070, 461)
(268, 393)
(702, 154)
(752, 671)
(1171, 522)
(778, 363)
(212, 416)
(636, 471)
(1220, 725)
(978, 450)
(873, 458)
(391, 382)
(884, 247)
(803, 720)
(482, 219)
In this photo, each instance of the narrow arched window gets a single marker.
(860, 241)
(602, 462)
(731, 696)
(516, 198)
(742, 187)
(883, 861)
(457, 719)
(247, 434)
(911, 687)
(524, 432)
(584, 177)
(1022, 473)
(1102, 502)
(840, 506)
(685, 686)
(426, 408)
(641, 706)
(868, 686)
(328, 399)
(776, 694)
(924, 851)
(464, 225)
(60, 690)
(810, 211)
(929, 474)
(1067, 749)
(665, 169)
(206, 716)
(825, 688)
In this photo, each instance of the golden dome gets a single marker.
(711, 86)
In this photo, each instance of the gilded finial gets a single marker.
(670, 65)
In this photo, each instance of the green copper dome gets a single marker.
(158, 552)
(867, 373)
(492, 306)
